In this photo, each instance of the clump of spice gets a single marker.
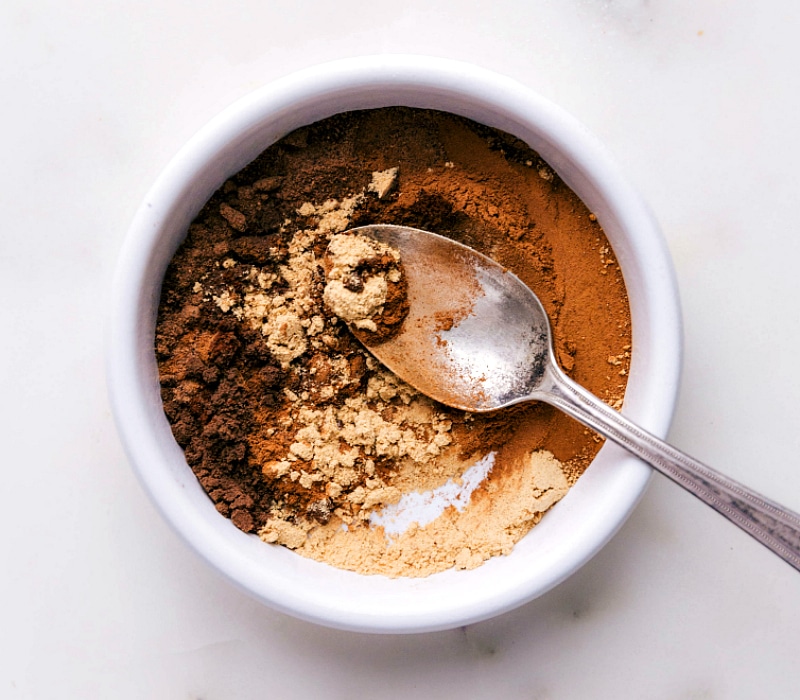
(366, 287)
(296, 433)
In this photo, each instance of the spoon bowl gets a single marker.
(478, 339)
(481, 345)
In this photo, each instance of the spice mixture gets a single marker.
(296, 433)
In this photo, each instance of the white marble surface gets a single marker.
(699, 102)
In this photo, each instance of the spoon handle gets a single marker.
(774, 526)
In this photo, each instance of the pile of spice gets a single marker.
(295, 432)
(365, 286)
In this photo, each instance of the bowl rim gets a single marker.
(314, 591)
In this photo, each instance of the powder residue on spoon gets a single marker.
(295, 432)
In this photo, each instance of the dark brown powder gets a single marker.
(252, 364)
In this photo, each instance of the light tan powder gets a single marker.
(499, 512)
(383, 182)
(354, 298)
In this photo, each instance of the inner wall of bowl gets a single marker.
(574, 530)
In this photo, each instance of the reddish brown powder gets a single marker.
(235, 401)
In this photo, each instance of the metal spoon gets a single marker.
(476, 338)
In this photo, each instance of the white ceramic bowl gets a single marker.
(574, 530)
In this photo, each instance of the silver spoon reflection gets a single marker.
(476, 338)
